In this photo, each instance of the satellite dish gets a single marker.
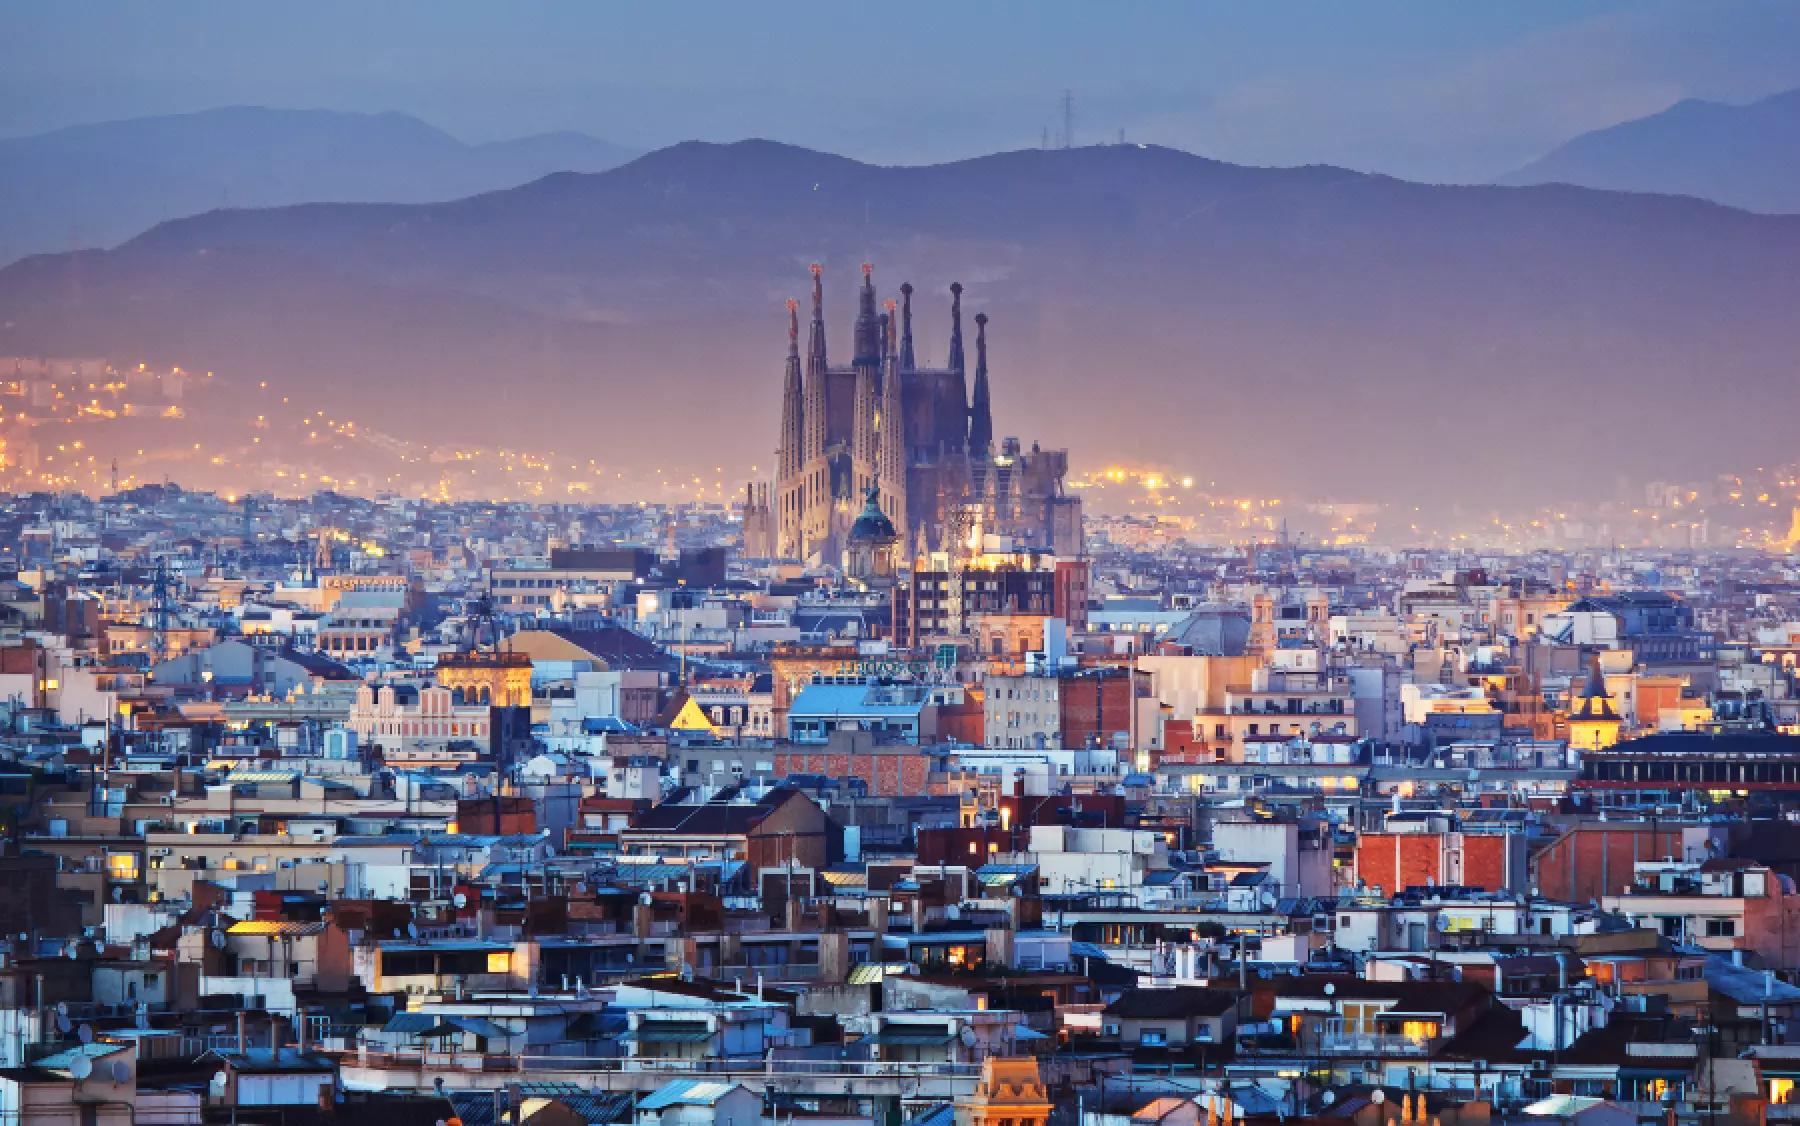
(73, 950)
(1328, 1097)
(217, 1084)
(81, 1067)
(396, 932)
(121, 1072)
(412, 931)
(62, 1023)
(118, 894)
(1330, 988)
(644, 899)
(460, 900)
(1378, 1096)
(62, 1008)
(85, 1034)
(968, 1036)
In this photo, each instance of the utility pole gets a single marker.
(1068, 137)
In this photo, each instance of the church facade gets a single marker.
(919, 437)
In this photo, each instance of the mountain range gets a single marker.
(1743, 156)
(1313, 330)
(97, 185)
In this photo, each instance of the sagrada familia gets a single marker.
(912, 440)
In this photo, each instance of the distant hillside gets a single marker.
(97, 185)
(1306, 329)
(1744, 156)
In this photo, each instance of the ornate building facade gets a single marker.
(916, 435)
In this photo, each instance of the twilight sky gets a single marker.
(1425, 89)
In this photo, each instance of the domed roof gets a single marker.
(1212, 630)
(873, 524)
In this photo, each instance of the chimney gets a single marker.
(243, 1043)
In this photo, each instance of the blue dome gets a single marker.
(873, 524)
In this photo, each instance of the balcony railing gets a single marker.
(1336, 1039)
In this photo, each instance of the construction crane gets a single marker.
(162, 612)
(959, 525)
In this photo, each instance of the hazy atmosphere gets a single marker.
(1018, 563)
(1237, 213)
(1454, 92)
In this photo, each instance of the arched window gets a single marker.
(484, 694)
(456, 696)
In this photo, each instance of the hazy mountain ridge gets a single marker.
(97, 185)
(1309, 329)
(1742, 156)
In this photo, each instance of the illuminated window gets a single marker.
(500, 962)
(122, 866)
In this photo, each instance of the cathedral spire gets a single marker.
(868, 333)
(906, 340)
(981, 417)
(890, 465)
(956, 341)
(952, 399)
(815, 343)
(791, 458)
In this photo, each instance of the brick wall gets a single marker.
(1396, 861)
(1592, 860)
(887, 775)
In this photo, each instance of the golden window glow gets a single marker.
(500, 962)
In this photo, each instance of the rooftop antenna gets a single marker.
(1068, 103)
